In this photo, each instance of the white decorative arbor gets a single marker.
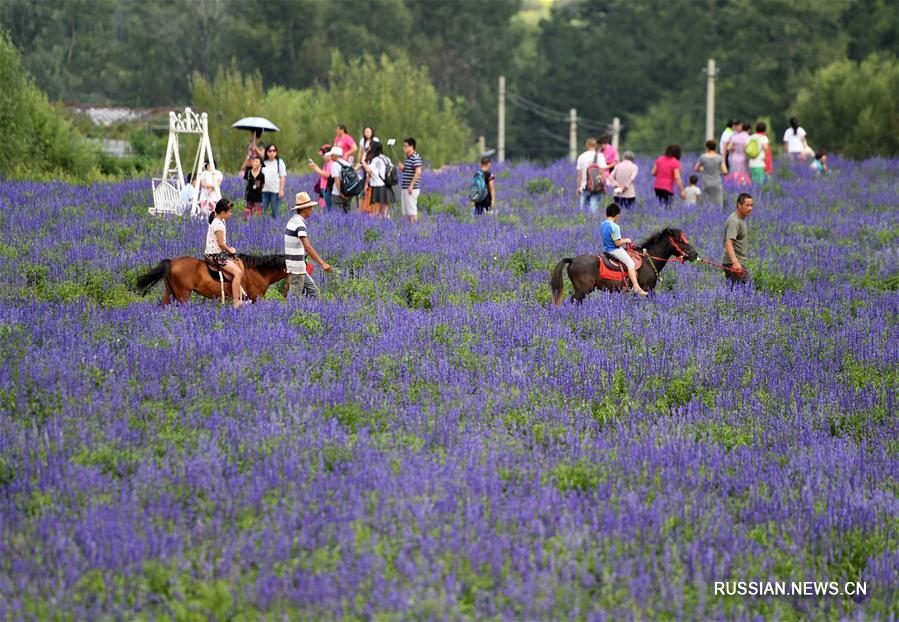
(167, 189)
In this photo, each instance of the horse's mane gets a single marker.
(655, 237)
(263, 262)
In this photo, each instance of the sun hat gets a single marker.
(303, 201)
(336, 151)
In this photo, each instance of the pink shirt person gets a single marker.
(346, 142)
(665, 167)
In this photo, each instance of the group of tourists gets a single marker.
(362, 174)
(351, 175)
(741, 157)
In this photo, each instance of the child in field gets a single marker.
(613, 244)
(217, 250)
(692, 191)
(820, 163)
(296, 249)
(255, 179)
(486, 204)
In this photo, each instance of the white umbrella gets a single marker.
(256, 123)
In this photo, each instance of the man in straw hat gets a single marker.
(297, 247)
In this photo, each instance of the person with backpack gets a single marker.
(345, 183)
(482, 191)
(378, 167)
(757, 150)
(591, 166)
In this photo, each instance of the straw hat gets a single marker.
(303, 201)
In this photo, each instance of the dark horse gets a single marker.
(584, 270)
(184, 275)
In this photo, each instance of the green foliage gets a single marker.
(853, 107)
(418, 295)
(138, 53)
(540, 185)
(394, 93)
(580, 476)
(97, 286)
(44, 141)
(308, 322)
(225, 98)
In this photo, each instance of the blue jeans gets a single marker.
(271, 199)
(590, 200)
(327, 196)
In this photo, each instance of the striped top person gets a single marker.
(294, 251)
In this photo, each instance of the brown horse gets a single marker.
(184, 275)
(584, 270)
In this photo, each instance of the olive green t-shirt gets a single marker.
(735, 229)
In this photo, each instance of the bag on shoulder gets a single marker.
(390, 175)
(595, 182)
(753, 148)
(350, 182)
(478, 190)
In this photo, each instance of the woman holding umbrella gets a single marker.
(256, 148)
(273, 167)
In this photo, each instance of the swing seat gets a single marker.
(166, 198)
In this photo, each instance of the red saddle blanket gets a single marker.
(613, 270)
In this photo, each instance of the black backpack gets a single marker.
(350, 182)
(390, 178)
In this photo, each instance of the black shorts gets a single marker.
(382, 195)
(664, 196)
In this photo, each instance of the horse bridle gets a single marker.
(682, 252)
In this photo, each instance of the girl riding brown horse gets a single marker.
(184, 275)
(587, 274)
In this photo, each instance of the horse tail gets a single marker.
(555, 281)
(160, 273)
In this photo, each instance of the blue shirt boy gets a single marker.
(610, 231)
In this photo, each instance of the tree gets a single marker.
(851, 108)
(395, 96)
(69, 47)
(44, 141)
(226, 98)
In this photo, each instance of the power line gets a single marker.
(554, 115)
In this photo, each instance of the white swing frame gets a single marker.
(167, 189)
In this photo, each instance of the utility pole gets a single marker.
(616, 132)
(710, 101)
(482, 145)
(501, 121)
(572, 135)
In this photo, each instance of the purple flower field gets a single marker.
(432, 440)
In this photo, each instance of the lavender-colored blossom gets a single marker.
(432, 440)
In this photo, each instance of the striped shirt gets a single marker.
(294, 251)
(411, 163)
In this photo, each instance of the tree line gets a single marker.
(641, 61)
